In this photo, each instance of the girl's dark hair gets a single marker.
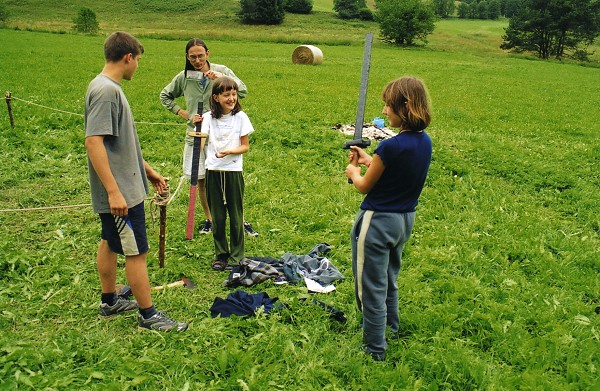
(409, 99)
(191, 43)
(221, 85)
(119, 44)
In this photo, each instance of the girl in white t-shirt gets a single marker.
(228, 128)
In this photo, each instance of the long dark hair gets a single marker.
(191, 43)
(221, 85)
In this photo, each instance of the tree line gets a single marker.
(546, 28)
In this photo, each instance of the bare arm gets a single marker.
(97, 154)
(375, 169)
(174, 90)
(158, 181)
(243, 148)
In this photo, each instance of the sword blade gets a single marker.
(364, 83)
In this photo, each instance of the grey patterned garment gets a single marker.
(291, 268)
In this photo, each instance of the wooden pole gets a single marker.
(8, 97)
(162, 228)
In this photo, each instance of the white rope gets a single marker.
(44, 208)
(45, 107)
(84, 205)
(81, 115)
(177, 189)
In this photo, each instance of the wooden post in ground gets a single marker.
(8, 97)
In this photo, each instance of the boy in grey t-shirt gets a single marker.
(118, 182)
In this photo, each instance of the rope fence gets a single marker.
(158, 199)
(9, 98)
(44, 208)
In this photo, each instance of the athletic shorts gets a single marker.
(126, 235)
(188, 151)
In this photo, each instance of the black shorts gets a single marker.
(126, 235)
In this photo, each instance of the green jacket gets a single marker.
(192, 89)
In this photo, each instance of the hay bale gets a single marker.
(307, 54)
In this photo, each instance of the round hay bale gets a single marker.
(307, 54)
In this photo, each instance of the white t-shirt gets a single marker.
(225, 133)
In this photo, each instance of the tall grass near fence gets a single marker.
(500, 280)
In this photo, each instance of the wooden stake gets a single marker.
(9, 105)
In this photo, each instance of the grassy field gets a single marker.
(499, 288)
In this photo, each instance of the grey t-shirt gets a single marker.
(107, 113)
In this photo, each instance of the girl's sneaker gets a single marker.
(248, 229)
(205, 228)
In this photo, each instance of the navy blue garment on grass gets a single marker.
(241, 303)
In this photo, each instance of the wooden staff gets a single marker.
(162, 206)
(9, 105)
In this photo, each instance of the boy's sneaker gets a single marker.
(161, 322)
(121, 305)
(205, 228)
(248, 229)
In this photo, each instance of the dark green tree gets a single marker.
(509, 7)
(553, 28)
(3, 14)
(366, 14)
(298, 6)
(86, 21)
(349, 9)
(404, 21)
(443, 8)
(493, 9)
(463, 10)
(482, 10)
(267, 12)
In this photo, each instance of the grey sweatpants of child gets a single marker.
(378, 239)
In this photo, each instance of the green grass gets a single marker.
(499, 282)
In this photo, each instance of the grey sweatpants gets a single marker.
(378, 239)
(225, 195)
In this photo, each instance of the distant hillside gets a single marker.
(215, 19)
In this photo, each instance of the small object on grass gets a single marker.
(186, 282)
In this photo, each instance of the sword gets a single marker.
(189, 232)
(362, 99)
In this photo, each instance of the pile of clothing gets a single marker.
(313, 268)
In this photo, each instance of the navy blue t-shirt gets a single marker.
(406, 158)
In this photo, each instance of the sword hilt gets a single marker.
(362, 143)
